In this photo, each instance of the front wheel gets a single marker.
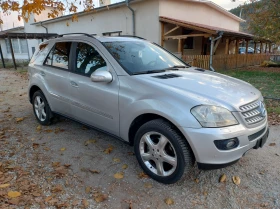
(41, 108)
(162, 152)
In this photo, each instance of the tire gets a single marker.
(157, 142)
(40, 105)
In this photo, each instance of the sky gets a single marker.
(227, 4)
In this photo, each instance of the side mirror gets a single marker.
(101, 76)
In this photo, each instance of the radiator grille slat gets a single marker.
(252, 112)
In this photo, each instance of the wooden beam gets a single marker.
(12, 52)
(162, 34)
(227, 46)
(185, 25)
(187, 36)
(2, 58)
(247, 45)
(216, 45)
(170, 31)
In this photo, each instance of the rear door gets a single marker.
(56, 72)
(94, 103)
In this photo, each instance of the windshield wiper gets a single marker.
(149, 72)
(176, 67)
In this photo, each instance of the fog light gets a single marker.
(227, 144)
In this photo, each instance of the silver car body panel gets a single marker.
(114, 106)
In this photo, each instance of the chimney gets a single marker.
(104, 2)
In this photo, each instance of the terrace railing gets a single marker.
(226, 62)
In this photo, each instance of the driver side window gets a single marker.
(88, 60)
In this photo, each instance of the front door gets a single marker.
(93, 103)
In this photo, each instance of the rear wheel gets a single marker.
(162, 152)
(41, 108)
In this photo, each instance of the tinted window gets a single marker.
(59, 55)
(88, 60)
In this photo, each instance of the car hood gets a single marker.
(205, 87)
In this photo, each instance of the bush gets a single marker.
(270, 64)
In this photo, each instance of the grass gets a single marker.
(266, 81)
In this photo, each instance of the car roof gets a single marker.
(99, 38)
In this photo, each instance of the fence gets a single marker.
(226, 62)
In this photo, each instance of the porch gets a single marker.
(205, 46)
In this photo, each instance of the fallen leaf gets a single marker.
(236, 180)
(169, 201)
(19, 119)
(14, 194)
(85, 203)
(130, 153)
(48, 130)
(125, 166)
(48, 198)
(196, 180)
(36, 194)
(143, 175)
(39, 128)
(4, 185)
(109, 149)
(75, 202)
(63, 149)
(272, 144)
(88, 190)
(148, 185)
(57, 130)
(91, 141)
(116, 160)
(98, 197)
(35, 145)
(67, 165)
(118, 175)
(223, 178)
(205, 193)
(94, 171)
(55, 164)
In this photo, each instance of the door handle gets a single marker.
(74, 84)
(42, 73)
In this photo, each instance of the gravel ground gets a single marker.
(67, 165)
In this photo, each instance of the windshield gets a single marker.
(138, 57)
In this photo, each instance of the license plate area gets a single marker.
(260, 143)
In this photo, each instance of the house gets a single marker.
(185, 27)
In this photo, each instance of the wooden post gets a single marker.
(2, 58)
(261, 48)
(247, 45)
(227, 46)
(162, 34)
(12, 52)
(265, 48)
(180, 46)
(236, 51)
(255, 47)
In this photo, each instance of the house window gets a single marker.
(19, 46)
(189, 43)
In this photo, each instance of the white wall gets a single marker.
(197, 13)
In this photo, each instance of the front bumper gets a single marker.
(208, 155)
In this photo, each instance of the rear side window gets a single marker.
(59, 55)
(40, 54)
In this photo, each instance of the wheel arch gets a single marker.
(144, 118)
(32, 90)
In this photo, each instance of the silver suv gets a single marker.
(173, 114)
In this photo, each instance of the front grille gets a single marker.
(252, 112)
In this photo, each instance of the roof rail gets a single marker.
(69, 34)
(131, 36)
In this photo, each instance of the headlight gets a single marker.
(213, 116)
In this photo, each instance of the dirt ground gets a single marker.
(67, 165)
